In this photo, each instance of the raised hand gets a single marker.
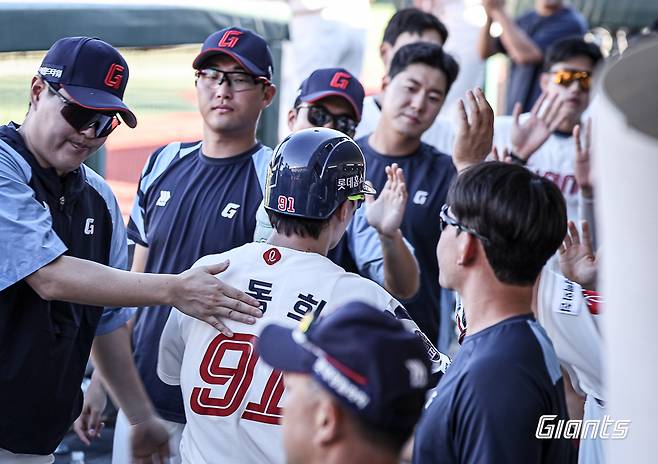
(577, 258)
(205, 297)
(475, 131)
(385, 213)
(582, 165)
(533, 133)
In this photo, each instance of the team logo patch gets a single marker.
(272, 256)
(594, 300)
(340, 80)
(114, 76)
(229, 39)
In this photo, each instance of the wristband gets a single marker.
(517, 159)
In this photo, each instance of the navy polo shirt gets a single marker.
(544, 31)
(487, 405)
(188, 206)
(45, 345)
(428, 174)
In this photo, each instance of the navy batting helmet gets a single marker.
(313, 171)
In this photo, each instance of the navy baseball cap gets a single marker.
(362, 356)
(328, 82)
(93, 73)
(244, 46)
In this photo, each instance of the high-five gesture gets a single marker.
(475, 131)
(545, 117)
(385, 213)
(577, 258)
(582, 164)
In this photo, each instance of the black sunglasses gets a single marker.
(320, 116)
(81, 118)
(447, 220)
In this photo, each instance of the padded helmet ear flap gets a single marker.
(312, 172)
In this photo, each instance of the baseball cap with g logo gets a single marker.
(244, 46)
(93, 73)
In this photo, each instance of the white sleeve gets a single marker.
(172, 348)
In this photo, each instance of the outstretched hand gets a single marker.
(204, 296)
(577, 258)
(475, 131)
(385, 213)
(535, 130)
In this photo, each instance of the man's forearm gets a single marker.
(86, 282)
(112, 356)
(401, 272)
(520, 48)
(486, 43)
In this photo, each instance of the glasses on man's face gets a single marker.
(238, 81)
(81, 118)
(319, 116)
(566, 77)
(447, 220)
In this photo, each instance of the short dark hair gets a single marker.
(571, 47)
(425, 53)
(522, 215)
(413, 21)
(293, 225)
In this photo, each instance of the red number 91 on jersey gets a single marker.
(236, 379)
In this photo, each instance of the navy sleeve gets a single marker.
(155, 165)
(28, 239)
(486, 429)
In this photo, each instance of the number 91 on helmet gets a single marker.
(313, 171)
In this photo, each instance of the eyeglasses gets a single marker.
(447, 220)
(81, 118)
(319, 116)
(239, 81)
(566, 77)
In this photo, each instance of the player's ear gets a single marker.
(269, 91)
(327, 420)
(292, 117)
(468, 249)
(37, 87)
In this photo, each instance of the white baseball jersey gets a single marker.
(232, 399)
(554, 160)
(569, 316)
(441, 134)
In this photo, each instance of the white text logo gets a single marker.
(420, 197)
(230, 210)
(89, 226)
(548, 428)
(165, 195)
(417, 373)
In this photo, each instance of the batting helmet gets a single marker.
(313, 171)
